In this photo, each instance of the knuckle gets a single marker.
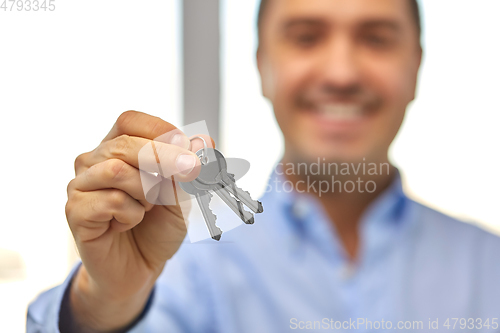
(69, 215)
(70, 187)
(80, 161)
(156, 127)
(73, 192)
(67, 209)
(117, 198)
(124, 119)
(120, 146)
(115, 169)
(72, 205)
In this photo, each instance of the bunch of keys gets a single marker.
(215, 178)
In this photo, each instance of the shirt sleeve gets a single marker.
(43, 313)
(180, 301)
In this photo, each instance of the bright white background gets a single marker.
(65, 76)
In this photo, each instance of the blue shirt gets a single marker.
(418, 270)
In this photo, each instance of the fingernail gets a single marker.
(179, 140)
(185, 163)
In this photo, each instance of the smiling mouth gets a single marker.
(340, 112)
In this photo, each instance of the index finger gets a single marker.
(139, 124)
(134, 123)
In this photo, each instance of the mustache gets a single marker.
(354, 95)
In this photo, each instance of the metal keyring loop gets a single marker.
(204, 153)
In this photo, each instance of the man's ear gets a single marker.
(414, 71)
(262, 67)
(420, 54)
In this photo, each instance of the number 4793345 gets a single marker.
(27, 5)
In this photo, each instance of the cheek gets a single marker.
(286, 78)
(395, 83)
(289, 78)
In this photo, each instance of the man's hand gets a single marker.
(123, 238)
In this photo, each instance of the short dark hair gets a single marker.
(415, 11)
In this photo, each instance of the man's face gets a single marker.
(340, 74)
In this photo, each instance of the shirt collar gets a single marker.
(387, 208)
(302, 219)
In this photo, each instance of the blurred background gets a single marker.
(66, 75)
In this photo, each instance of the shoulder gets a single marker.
(455, 258)
(453, 232)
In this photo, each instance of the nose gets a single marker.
(338, 66)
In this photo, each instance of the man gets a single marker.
(340, 74)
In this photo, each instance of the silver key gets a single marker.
(203, 197)
(214, 176)
(234, 204)
(227, 181)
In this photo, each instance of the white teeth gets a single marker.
(340, 111)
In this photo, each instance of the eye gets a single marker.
(304, 37)
(307, 39)
(377, 41)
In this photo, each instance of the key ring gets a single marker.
(204, 153)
